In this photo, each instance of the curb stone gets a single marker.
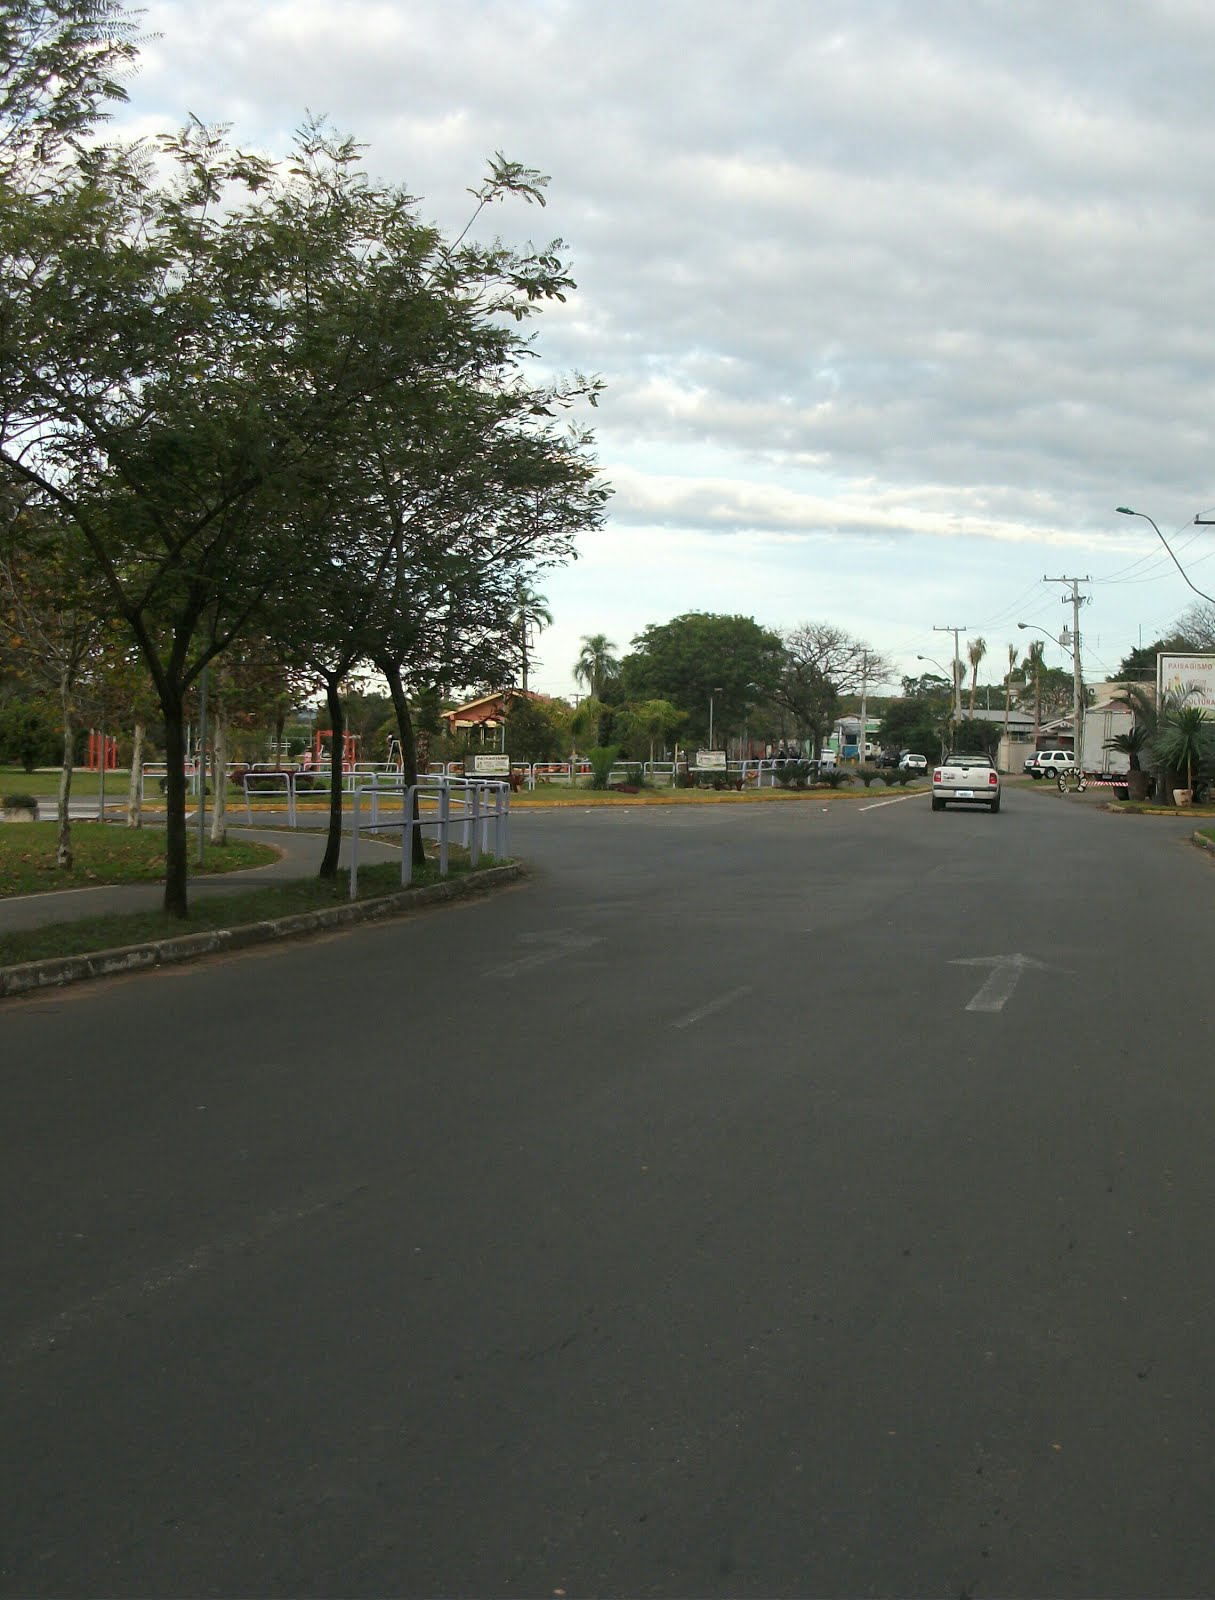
(57, 971)
(1202, 841)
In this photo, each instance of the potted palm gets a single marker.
(1183, 739)
(1132, 744)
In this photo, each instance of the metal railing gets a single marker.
(481, 813)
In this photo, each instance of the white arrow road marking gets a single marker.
(722, 1001)
(554, 947)
(1001, 981)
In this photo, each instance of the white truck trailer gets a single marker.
(1104, 722)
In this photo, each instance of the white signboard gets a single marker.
(1181, 672)
(487, 766)
(710, 761)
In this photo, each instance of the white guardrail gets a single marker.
(479, 808)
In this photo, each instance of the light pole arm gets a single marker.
(1126, 511)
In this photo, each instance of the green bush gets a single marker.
(834, 777)
(868, 775)
(602, 758)
(29, 736)
(18, 802)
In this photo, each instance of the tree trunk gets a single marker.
(219, 763)
(176, 902)
(63, 857)
(134, 807)
(409, 748)
(337, 724)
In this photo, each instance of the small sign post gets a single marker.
(487, 766)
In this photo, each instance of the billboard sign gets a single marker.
(1176, 671)
(710, 761)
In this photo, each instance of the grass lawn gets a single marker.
(231, 911)
(105, 854)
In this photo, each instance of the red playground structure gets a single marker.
(102, 746)
(320, 755)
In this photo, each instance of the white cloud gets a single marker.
(896, 299)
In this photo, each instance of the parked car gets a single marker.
(1050, 763)
(888, 758)
(911, 762)
(970, 779)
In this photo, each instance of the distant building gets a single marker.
(480, 721)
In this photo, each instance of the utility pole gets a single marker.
(1077, 600)
(860, 749)
(957, 666)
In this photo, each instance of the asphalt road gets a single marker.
(691, 1219)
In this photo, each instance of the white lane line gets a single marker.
(898, 800)
(124, 1299)
(722, 1001)
(553, 947)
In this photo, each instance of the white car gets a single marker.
(910, 762)
(1050, 763)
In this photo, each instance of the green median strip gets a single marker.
(214, 911)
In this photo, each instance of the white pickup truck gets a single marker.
(967, 779)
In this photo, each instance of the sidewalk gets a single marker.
(301, 853)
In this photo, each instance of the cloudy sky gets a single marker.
(896, 300)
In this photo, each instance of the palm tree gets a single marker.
(1183, 740)
(531, 611)
(976, 649)
(1012, 667)
(1033, 663)
(596, 666)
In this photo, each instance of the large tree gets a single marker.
(702, 657)
(1138, 665)
(53, 624)
(821, 663)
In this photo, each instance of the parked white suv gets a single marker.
(1050, 763)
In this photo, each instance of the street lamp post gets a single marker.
(955, 704)
(712, 692)
(1125, 511)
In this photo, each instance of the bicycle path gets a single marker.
(300, 857)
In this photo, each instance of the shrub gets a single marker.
(834, 777)
(602, 758)
(18, 802)
(29, 736)
(868, 775)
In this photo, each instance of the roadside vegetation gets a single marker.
(105, 855)
(211, 911)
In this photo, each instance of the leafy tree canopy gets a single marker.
(1139, 664)
(702, 654)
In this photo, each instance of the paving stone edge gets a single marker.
(56, 971)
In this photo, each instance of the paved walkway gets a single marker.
(301, 856)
